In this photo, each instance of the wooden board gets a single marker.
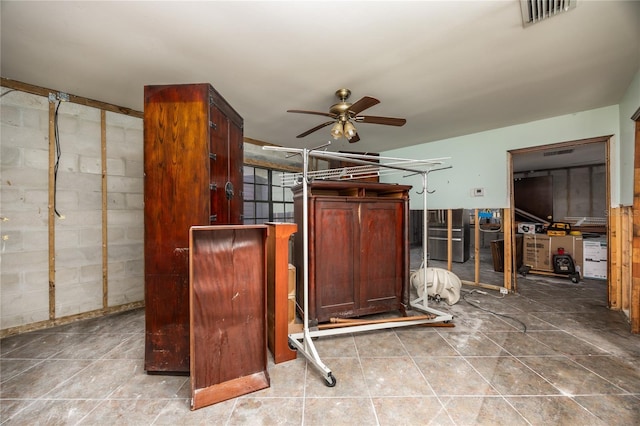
(227, 298)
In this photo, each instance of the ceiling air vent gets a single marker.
(536, 10)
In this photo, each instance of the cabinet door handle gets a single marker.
(228, 189)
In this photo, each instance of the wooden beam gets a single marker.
(41, 91)
(258, 142)
(271, 165)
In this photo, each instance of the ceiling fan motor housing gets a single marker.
(341, 109)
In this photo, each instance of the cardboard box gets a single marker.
(539, 249)
(530, 228)
(595, 258)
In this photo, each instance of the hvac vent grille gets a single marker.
(536, 10)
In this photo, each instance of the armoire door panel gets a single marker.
(382, 246)
(336, 269)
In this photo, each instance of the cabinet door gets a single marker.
(219, 165)
(235, 178)
(226, 160)
(381, 255)
(335, 268)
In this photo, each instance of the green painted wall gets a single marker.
(479, 160)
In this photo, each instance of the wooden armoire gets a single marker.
(193, 159)
(358, 252)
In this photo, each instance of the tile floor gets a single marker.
(576, 364)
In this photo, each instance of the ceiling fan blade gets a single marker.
(354, 139)
(318, 127)
(362, 104)
(387, 121)
(300, 111)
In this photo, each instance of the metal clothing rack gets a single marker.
(367, 165)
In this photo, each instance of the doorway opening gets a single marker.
(565, 184)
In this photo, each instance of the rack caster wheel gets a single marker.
(575, 279)
(330, 381)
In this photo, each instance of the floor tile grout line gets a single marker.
(364, 378)
(442, 405)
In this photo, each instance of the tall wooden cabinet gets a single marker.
(358, 248)
(193, 157)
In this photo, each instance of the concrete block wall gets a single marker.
(125, 209)
(24, 279)
(24, 182)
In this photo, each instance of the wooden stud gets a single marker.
(476, 249)
(105, 253)
(449, 238)
(634, 311)
(52, 212)
(626, 243)
(612, 303)
(510, 261)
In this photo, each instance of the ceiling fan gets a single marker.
(343, 114)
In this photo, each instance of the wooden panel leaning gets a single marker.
(227, 292)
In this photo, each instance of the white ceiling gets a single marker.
(449, 67)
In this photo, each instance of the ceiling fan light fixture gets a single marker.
(337, 130)
(349, 130)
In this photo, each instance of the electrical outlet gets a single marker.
(477, 192)
(504, 291)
